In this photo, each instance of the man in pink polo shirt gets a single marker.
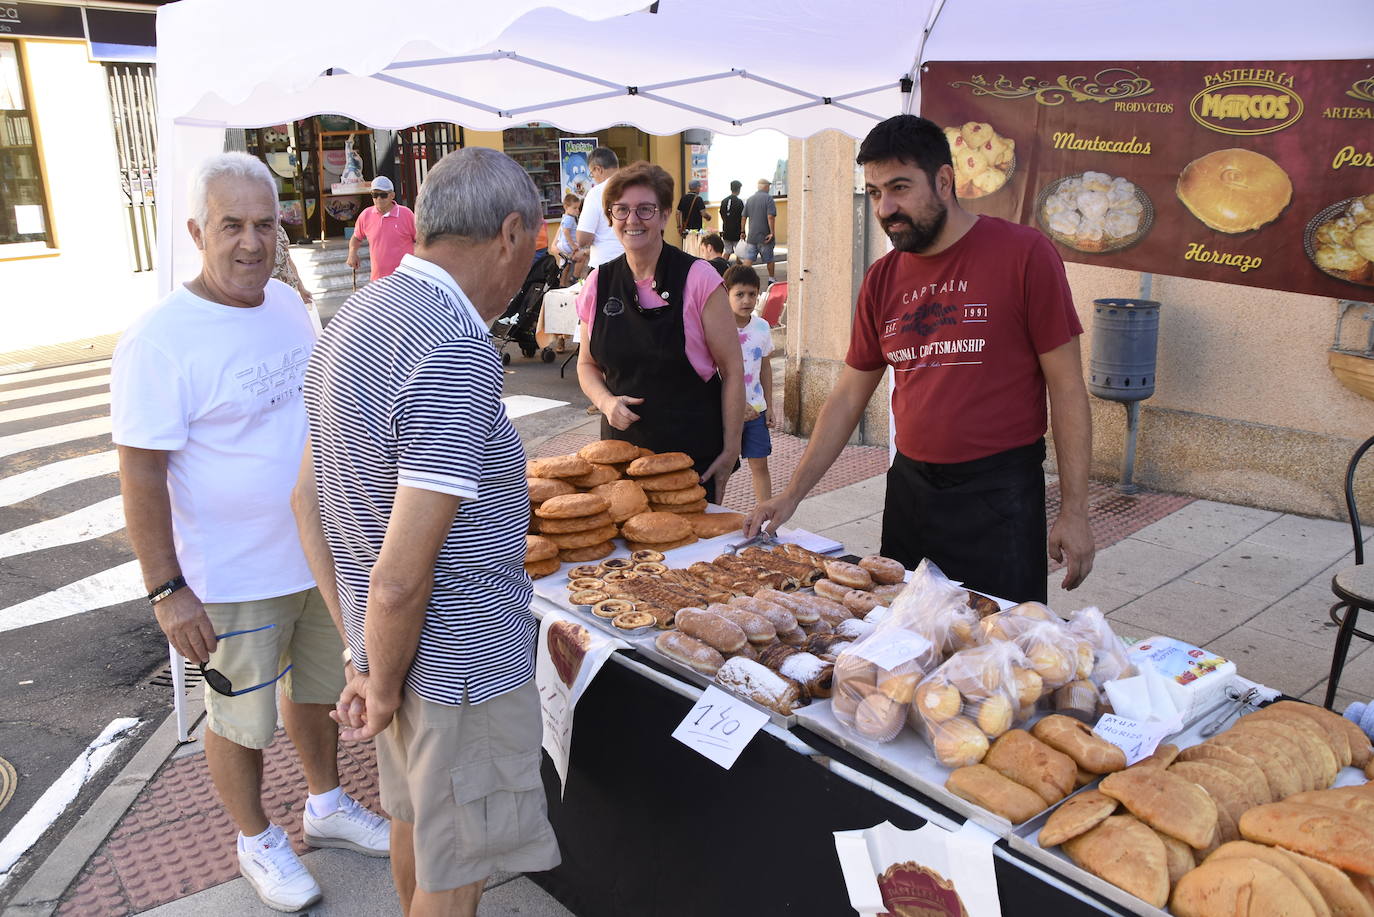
(388, 227)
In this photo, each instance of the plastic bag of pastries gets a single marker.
(1055, 654)
(976, 685)
(1110, 659)
(935, 607)
(875, 679)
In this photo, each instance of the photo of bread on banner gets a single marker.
(1234, 190)
(1247, 815)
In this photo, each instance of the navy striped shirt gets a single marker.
(404, 389)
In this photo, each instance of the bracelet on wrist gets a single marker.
(166, 589)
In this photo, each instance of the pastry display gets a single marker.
(983, 159)
(1234, 190)
(1340, 239)
(1095, 212)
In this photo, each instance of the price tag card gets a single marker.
(892, 648)
(1138, 740)
(719, 726)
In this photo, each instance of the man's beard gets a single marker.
(920, 235)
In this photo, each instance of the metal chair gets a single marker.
(1353, 586)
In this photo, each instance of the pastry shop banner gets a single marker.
(567, 658)
(1252, 172)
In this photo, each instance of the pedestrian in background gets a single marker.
(597, 242)
(760, 225)
(691, 213)
(731, 219)
(387, 227)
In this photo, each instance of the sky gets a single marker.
(746, 158)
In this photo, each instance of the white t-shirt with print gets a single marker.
(220, 389)
(756, 342)
(606, 244)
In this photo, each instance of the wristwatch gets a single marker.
(166, 589)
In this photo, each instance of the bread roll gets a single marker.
(1166, 802)
(1239, 766)
(689, 652)
(1336, 737)
(1343, 839)
(711, 629)
(569, 506)
(1127, 854)
(1225, 887)
(884, 570)
(558, 466)
(537, 548)
(609, 452)
(600, 474)
(1356, 740)
(654, 528)
(755, 627)
(1030, 762)
(1079, 813)
(1178, 856)
(983, 786)
(750, 679)
(542, 489)
(1075, 739)
(849, 575)
(538, 569)
(1239, 850)
(993, 715)
(661, 463)
(958, 742)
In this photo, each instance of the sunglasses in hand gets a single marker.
(220, 683)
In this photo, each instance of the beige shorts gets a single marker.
(304, 637)
(468, 779)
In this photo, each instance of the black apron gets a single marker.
(643, 354)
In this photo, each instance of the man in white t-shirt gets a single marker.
(209, 419)
(594, 232)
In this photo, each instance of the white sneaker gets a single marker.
(276, 874)
(351, 827)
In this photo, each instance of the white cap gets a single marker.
(382, 183)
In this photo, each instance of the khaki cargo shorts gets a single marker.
(468, 779)
(304, 637)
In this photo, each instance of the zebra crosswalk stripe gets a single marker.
(55, 407)
(53, 372)
(28, 484)
(54, 436)
(82, 525)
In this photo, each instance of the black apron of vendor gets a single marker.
(643, 354)
(981, 522)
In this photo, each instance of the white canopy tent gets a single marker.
(796, 66)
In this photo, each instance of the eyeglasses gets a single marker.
(220, 683)
(381, 194)
(643, 211)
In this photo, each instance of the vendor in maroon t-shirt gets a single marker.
(975, 316)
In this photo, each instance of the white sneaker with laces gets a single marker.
(276, 874)
(350, 827)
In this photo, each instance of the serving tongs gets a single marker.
(763, 539)
(1242, 701)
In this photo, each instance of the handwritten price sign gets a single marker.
(719, 726)
(1138, 740)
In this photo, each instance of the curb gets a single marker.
(42, 893)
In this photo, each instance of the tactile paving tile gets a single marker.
(176, 839)
(1113, 515)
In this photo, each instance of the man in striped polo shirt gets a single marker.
(413, 509)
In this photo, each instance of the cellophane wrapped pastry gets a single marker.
(972, 698)
(1110, 659)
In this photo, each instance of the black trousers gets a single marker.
(981, 522)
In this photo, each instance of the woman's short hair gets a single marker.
(470, 193)
(643, 174)
(227, 165)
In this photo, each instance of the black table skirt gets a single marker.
(649, 827)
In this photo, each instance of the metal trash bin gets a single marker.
(1122, 368)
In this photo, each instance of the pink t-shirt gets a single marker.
(702, 281)
(390, 238)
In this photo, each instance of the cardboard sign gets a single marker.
(719, 726)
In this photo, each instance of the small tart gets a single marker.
(584, 582)
(632, 620)
(609, 608)
(650, 568)
(619, 576)
(584, 571)
(616, 563)
(588, 597)
(646, 557)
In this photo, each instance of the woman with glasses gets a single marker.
(663, 362)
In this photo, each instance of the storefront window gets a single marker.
(23, 202)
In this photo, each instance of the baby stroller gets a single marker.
(517, 324)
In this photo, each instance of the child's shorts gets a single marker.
(756, 443)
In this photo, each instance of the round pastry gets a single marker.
(646, 557)
(661, 545)
(973, 679)
(994, 715)
(1084, 660)
(831, 590)
(541, 568)
(662, 463)
(600, 474)
(580, 583)
(676, 497)
(1029, 685)
(585, 539)
(630, 620)
(879, 717)
(542, 489)
(1047, 659)
(680, 509)
(959, 742)
(570, 506)
(626, 499)
(710, 525)
(888, 591)
(575, 524)
(1234, 190)
(1032, 610)
(860, 602)
(847, 697)
(900, 687)
(652, 528)
(618, 576)
(650, 568)
(587, 570)
(609, 451)
(937, 701)
(558, 466)
(615, 563)
(884, 570)
(849, 575)
(537, 548)
(851, 667)
(591, 552)
(587, 597)
(669, 481)
(609, 608)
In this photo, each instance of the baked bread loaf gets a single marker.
(1356, 740)
(884, 570)
(570, 540)
(671, 481)
(1163, 756)
(759, 684)
(1313, 751)
(558, 466)
(537, 548)
(624, 499)
(1242, 768)
(958, 742)
(829, 589)
(1075, 739)
(660, 463)
(570, 506)
(1234, 190)
(1226, 791)
(538, 569)
(756, 627)
(1226, 887)
(609, 452)
(711, 629)
(1077, 814)
(1343, 839)
(860, 601)
(983, 786)
(1127, 854)
(600, 474)
(689, 651)
(1178, 856)
(1338, 888)
(1279, 772)
(654, 528)
(542, 489)
(1166, 802)
(1337, 737)
(851, 576)
(575, 524)
(690, 494)
(1357, 799)
(591, 552)
(1240, 850)
(1030, 762)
